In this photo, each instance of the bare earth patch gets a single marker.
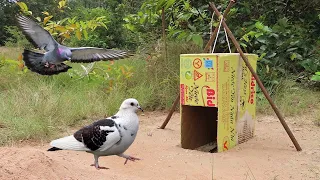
(269, 155)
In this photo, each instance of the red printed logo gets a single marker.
(182, 95)
(252, 90)
(210, 96)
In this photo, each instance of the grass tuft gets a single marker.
(292, 99)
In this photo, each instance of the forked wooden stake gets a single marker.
(206, 49)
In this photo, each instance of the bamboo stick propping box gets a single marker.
(218, 100)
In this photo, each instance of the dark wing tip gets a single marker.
(54, 149)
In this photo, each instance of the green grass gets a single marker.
(292, 99)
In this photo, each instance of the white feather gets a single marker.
(69, 143)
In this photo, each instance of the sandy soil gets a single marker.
(269, 155)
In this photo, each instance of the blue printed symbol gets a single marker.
(208, 63)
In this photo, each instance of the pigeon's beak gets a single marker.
(140, 108)
(69, 58)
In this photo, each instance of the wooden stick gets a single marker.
(214, 34)
(266, 94)
(206, 49)
(171, 112)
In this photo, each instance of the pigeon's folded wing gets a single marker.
(99, 136)
(38, 36)
(91, 54)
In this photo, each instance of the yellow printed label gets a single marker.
(247, 101)
(198, 80)
(227, 98)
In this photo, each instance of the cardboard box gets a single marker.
(220, 81)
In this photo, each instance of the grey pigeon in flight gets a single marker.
(106, 137)
(51, 62)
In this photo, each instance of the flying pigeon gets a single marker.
(106, 137)
(51, 62)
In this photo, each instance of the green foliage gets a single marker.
(63, 29)
(316, 77)
(282, 49)
(186, 23)
(16, 38)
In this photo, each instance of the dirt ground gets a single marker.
(269, 155)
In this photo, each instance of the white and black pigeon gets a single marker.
(106, 137)
(51, 62)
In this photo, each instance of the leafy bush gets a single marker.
(282, 49)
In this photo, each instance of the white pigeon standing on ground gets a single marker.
(110, 136)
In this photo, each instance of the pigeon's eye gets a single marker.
(132, 104)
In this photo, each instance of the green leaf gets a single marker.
(182, 35)
(258, 35)
(62, 4)
(103, 25)
(262, 55)
(291, 49)
(245, 37)
(243, 44)
(315, 77)
(318, 73)
(293, 56)
(192, 28)
(259, 25)
(169, 3)
(197, 39)
(85, 33)
(272, 55)
(38, 18)
(268, 69)
(23, 6)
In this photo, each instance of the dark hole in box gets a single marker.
(199, 128)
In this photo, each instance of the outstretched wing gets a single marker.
(99, 136)
(91, 54)
(38, 36)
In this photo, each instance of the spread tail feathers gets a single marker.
(33, 61)
(69, 143)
